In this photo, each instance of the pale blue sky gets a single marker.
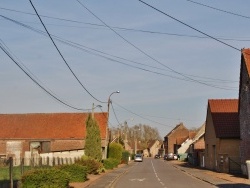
(169, 45)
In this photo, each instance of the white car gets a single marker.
(138, 158)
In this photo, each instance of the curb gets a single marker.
(117, 177)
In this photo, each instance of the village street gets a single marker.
(164, 174)
(157, 173)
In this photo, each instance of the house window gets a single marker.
(40, 147)
(45, 147)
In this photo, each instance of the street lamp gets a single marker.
(106, 139)
(109, 101)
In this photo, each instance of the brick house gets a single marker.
(45, 132)
(197, 148)
(174, 139)
(154, 147)
(244, 108)
(222, 134)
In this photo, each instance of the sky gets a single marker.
(167, 58)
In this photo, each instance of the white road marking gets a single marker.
(137, 179)
(157, 175)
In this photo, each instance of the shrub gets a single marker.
(125, 157)
(77, 173)
(110, 163)
(115, 151)
(92, 165)
(43, 178)
(93, 145)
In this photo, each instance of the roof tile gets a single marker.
(246, 56)
(225, 117)
(48, 125)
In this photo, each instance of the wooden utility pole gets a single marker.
(11, 171)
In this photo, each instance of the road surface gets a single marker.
(157, 173)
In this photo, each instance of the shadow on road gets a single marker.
(236, 185)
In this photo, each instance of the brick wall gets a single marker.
(62, 145)
(244, 116)
(200, 144)
(2, 147)
(210, 143)
(180, 132)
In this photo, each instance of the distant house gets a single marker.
(26, 134)
(154, 147)
(184, 148)
(197, 148)
(244, 108)
(222, 134)
(174, 139)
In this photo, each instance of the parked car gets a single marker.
(138, 158)
(170, 156)
(157, 156)
(165, 157)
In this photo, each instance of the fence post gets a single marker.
(54, 161)
(40, 161)
(22, 166)
(11, 171)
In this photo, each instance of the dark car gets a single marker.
(157, 156)
(165, 157)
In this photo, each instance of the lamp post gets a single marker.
(106, 139)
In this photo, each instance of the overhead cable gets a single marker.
(149, 56)
(115, 113)
(111, 58)
(189, 26)
(62, 55)
(36, 82)
(141, 116)
(225, 11)
(126, 29)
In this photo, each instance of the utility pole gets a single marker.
(107, 128)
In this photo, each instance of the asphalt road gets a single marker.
(158, 174)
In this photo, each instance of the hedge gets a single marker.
(110, 163)
(44, 178)
(77, 173)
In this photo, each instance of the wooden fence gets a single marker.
(12, 166)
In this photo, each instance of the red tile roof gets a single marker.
(181, 125)
(48, 125)
(246, 56)
(180, 140)
(225, 117)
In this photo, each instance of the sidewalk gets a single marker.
(212, 177)
(106, 178)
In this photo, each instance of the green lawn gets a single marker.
(4, 172)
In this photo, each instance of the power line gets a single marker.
(125, 29)
(36, 82)
(104, 55)
(141, 116)
(225, 11)
(115, 113)
(189, 26)
(149, 56)
(62, 55)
